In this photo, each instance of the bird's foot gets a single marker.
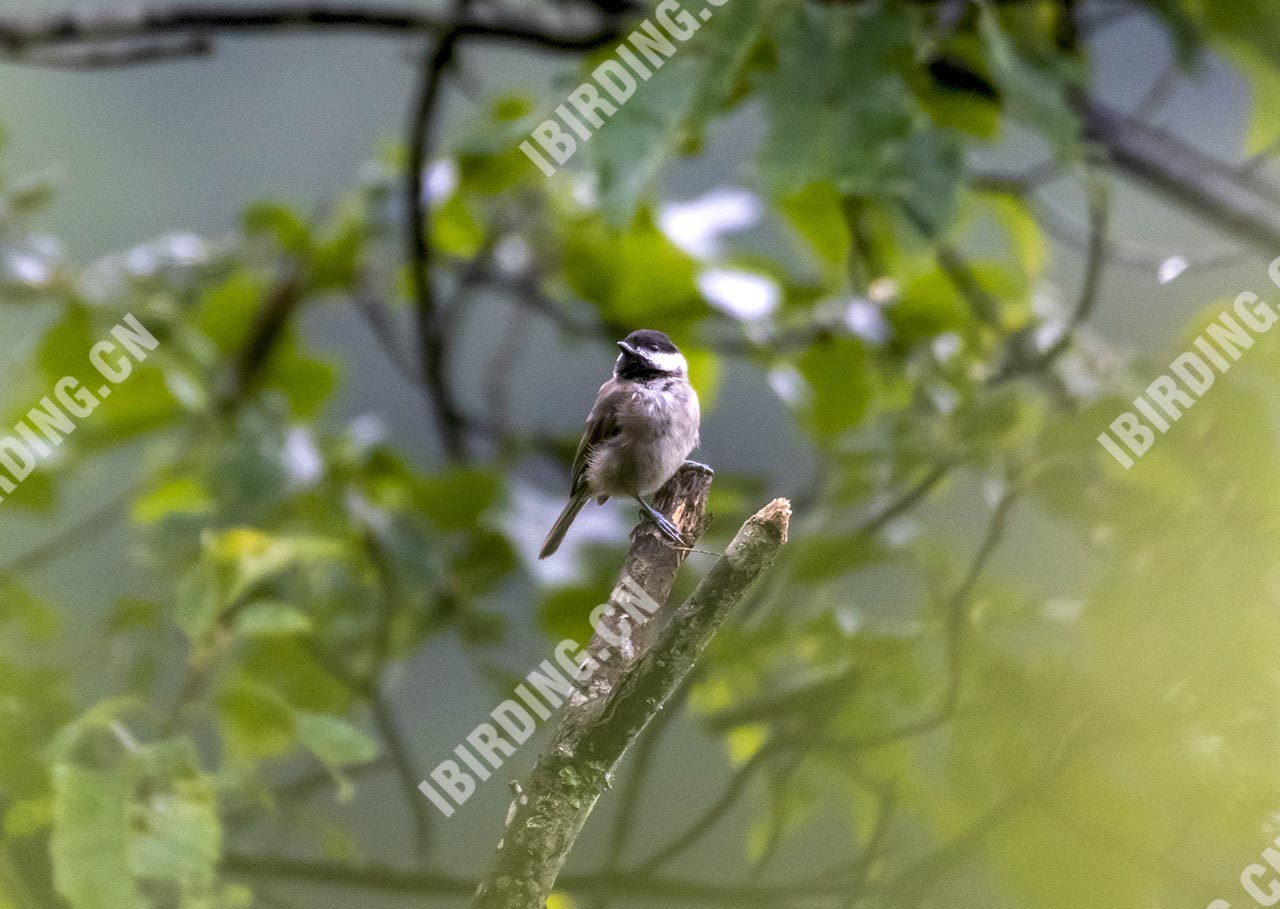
(669, 529)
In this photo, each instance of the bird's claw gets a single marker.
(670, 531)
(664, 524)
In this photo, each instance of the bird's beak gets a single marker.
(628, 349)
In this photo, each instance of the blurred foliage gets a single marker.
(986, 737)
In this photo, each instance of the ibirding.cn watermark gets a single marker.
(1190, 375)
(48, 424)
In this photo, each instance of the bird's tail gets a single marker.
(561, 526)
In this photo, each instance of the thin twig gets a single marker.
(300, 788)
(954, 265)
(407, 773)
(75, 534)
(1127, 254)
(698, 829)
(384, 330)
(906, 500)
(629, 799)
(270, 324)
(1020, 362)
(1159, 93)
(1035, 177)
(956, 614)
(432, 341)
(858, 871)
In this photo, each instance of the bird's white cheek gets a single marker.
(669, 362)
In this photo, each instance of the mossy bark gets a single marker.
(601, 722)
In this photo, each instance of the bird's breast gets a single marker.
(658, 428)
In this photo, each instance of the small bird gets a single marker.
(642, 426)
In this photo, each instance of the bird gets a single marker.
(642, 426)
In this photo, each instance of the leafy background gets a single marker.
(252, 601)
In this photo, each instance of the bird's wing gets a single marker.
(602, 424)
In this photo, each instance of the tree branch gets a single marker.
(736, 786)
(265, 334)
(653, 889)
(985, 306)
(93, 58)
(1239, 203)
(62, 543)
(432, 345)
(407, 774)
(601, 723)
(1021, 355)
(20, 36)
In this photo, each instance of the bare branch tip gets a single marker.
(776, 514)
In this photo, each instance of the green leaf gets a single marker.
(816, 215)
(840, 112)
(456, 498)
(334, 741)
(64, 349)
(184, 495)
(455, 230)
(288, 666)
(1253, 24)
(965, 108)
(256, 721)
(227, 310)
(928, 178)
(306, 381)
(38, 492)
(1263, 78)
(838, 105)
(141, 404)
(199, 599)
(819, 559)
(635, 277)
(484, 563)
(90, 843)
(271, 618)
(928, 305)
(835, 372)
(673, 106)
(335, 262)
(1022, 233)
(279, 222)
(28, 816)
(237, 563)
(177, 838)
(1034, 93)
(35, 619)
(631, 146)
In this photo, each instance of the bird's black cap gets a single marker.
(649, 339)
